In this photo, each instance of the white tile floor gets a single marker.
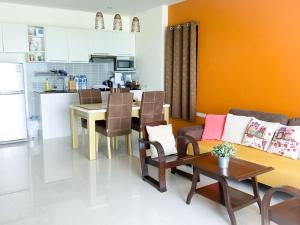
(51, 184)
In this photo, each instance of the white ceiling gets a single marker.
(129, 7)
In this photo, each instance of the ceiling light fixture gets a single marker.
(99, 21)
(135, 26)
(118, 22)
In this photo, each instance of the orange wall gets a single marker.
(249, 53)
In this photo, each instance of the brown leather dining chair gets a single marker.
(88, 96)
(284, 213)
(151, 110)
(118, 120)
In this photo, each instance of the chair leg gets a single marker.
(162, 178)
(108, 148)
(116, 143)
(144, 166)
(129, 144)
(113, 142)
(141, 135)
(126, 140)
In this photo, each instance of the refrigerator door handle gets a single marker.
(11, 92)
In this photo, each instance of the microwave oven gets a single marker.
(124, 63)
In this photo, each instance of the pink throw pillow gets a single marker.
(214, 126)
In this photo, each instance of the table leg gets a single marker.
(91, 133)
(256, 191)
(74, 129)
(194, 185)
(221, 193)
(166, 114)
(227, 199)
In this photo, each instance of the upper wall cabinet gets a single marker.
(15, 37)
(100, 42)
(123, 43)
(78, 45)
(112, 43)
(56, 44)
(1, 41)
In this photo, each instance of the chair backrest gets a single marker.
(120, 90)
(119, 112)
(151, 107)
(90, 96)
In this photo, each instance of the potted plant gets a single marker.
(224, 152)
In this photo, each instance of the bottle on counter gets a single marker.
(84, 82)
(80, 79)
(76, 80)
(47, 86)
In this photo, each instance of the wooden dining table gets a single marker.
(94, 112)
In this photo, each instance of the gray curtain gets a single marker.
(181, 70)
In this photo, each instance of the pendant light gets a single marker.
(117, 22)
(99, 21)
(135, 26)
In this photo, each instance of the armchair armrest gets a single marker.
(266, 202)
(184, 141)
(194, 131)
(158, 147)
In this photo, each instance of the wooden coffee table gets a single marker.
(220, 192)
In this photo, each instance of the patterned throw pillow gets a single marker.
(259, 134)
(286, 141)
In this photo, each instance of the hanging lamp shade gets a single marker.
(135, 26)
(99, 21)
(117, 22)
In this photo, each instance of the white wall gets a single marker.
(35, 15)
(150, 48)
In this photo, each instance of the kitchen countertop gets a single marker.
(56, 92)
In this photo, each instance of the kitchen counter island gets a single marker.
(55, 114)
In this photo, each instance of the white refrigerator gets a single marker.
(13, 125)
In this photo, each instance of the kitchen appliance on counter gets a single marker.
(124, 63)
(108, 83)
(13, 106)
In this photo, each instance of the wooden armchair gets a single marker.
(163, 162)
(284, 213)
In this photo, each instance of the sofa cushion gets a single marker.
(235, 127)
(214, 126)
(286, 170)
(269, 117)
(164, 135)
(294, 122)
(286, 142)
(259, 134)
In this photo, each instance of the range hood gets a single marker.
(97, 57)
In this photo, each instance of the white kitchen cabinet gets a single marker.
(15, 37)
(100, 42)
(123, 43)
(78, 45)
(1, 39)
(111, 42)
(56, 44)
